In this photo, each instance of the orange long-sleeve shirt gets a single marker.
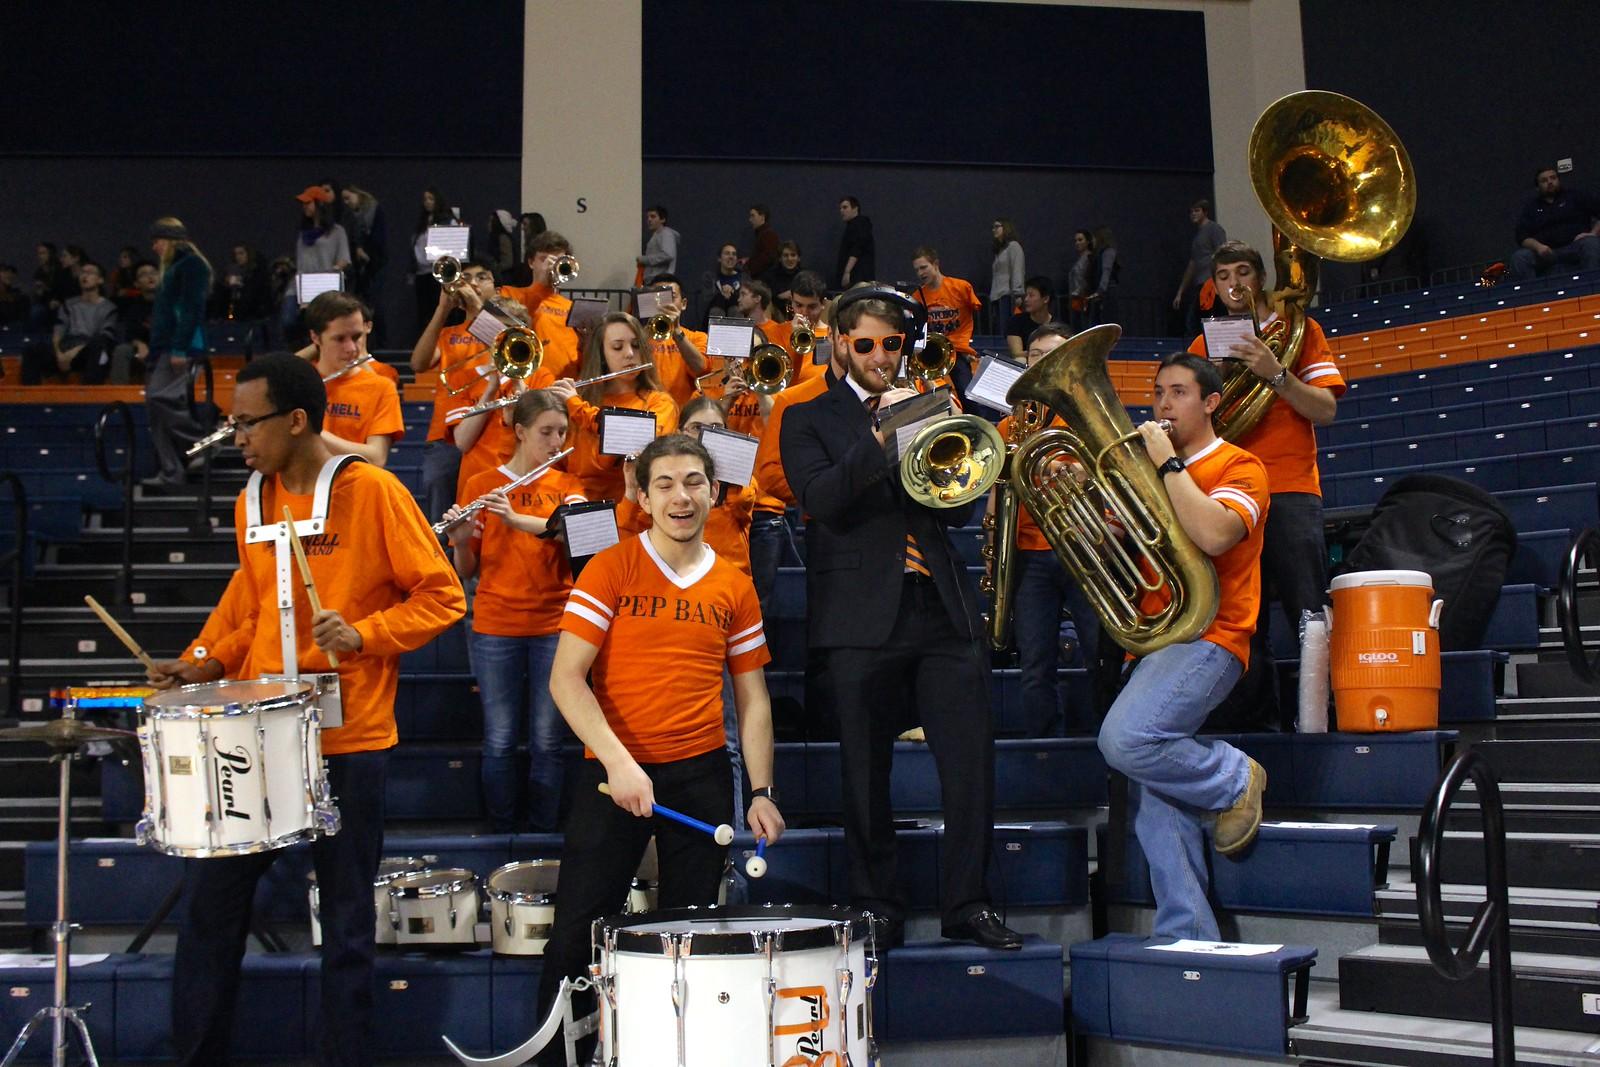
(769, 461)
(549, 309)
(601, 475)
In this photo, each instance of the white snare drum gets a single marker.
(232, 768)
(719, 965)
(389, 868)
(522, 905)
(438, 907)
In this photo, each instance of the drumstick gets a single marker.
(122, 635)
(305, 575)
(756, 865)
(723, 834)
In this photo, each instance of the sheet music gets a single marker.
(650, 301)
(586, 312)
(733, 453)
(901, 422)
(486, 326)
(447, 241)
(1221, 334)
(624, 432)
(589, 532)
(312, 284)
(1216, 948)
(993, 381)
(729, 337)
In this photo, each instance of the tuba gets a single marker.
(1070, 479)
(1337, 184)
(1000, 526)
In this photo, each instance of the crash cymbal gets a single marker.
(65, 734)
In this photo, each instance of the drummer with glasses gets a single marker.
(385, 588)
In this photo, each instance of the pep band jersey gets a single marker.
(377, 564)
(362, 405)
(769, 457)
(1237, 480)
(1285, 440)
(663, 639)
(523, 580)
(674, 373)
(455, 347)
(497, 441)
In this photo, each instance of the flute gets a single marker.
(223, 431)
(368, 358)
(507, 401)
(482, 502)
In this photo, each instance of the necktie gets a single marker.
(915, 564)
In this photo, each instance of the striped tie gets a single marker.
(915, 564)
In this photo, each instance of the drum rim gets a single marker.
(511, 896)
(382, 880)
(156, 708)
(618, 931)
(468, 880)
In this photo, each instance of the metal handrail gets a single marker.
(117, 407)
(1491, 923)
(1585, 550)
(1460, 272)
(1370, 289)
(17, 557)
(200, 364)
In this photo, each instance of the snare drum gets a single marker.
(817, 960)
(438, 907)
(232, 768)
(389, 868)
(522, 905)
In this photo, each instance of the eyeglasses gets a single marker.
(245, 423)
(891, 344)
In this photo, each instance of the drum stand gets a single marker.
(59, 1013)
(560, 1016)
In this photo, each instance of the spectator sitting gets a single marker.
(719, 288)
(83, 336)
(764, 247)
(14, 305)
(133, 319)
(1557, 228)
(781, 275)
(124, 282)
(243, 291)
(46, 285)
(661, 249)
(1006, 278)
(1036, 297)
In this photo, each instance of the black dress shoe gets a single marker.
(983, 926)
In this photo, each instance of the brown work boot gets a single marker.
(1236, 827)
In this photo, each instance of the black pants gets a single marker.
(92, 363)
(604, 845)
(926, 671)
(218, 894)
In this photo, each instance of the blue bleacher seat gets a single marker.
(422, 998)
(270, 1019)
(31, 987)
(436, 782)
(947, 990)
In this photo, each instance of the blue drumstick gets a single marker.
(756, 865)
(723, 835)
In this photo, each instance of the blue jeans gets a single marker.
(1043, 587)
(218, 893)
(1176, 779)
(441, 465)
(513, 673)
(1584, 254)
(768, 535)
(730, 727)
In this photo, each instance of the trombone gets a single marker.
(472, 509)
(563, 271)
(447, 271)
(516, 354)
(765, 370)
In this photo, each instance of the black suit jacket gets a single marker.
(857, 520)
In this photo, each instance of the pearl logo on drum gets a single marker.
(231, 764)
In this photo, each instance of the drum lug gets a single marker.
(680, 991)
(772, 1000)
(144, 831)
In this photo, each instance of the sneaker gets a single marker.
(1237, 826)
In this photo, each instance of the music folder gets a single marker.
(625, 432)
(996, 375)
(584, 528)
(586, 312)
(900, 422)
(311, 284)
(447, 241)
(734, 454)
(1221, 333)
(729, 337)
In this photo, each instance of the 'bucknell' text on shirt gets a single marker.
(345, 411)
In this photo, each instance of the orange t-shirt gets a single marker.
(1029, 536)
(601, 475)
(744, 415)
(455, 347)
(384, 370)
(523, 580)
(548, 309)
(950, 309)
(377, 564)
(727, 526)
(362, 405)
(1237, 480)
(676, 376)
(1284, 439)
(663, 639)
(769, 459)
(497, 441)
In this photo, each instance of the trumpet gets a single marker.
(802, 338)
(563, 271)
(765, 370)
(224, 430)
(934, 360)
(661, 324)
(349, 369)
(472, 509)
(507, 401)
(447, 271)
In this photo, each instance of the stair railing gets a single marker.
(125, 476)
(205, 413)
(1585, 551)
(18, 559)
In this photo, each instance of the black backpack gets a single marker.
(1455, 532)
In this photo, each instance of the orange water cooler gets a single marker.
(1384, 651)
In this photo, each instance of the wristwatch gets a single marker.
(768, 791)
(1278, 379)
(1172, 466)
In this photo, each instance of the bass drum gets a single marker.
(389, 868)
(522, 905)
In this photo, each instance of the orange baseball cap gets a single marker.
(314, 194)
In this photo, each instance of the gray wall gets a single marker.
(104, 203)
(949, 207)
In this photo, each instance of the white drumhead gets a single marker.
(227, 698)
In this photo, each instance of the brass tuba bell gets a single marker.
(1071, 479)
(1337, 184)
